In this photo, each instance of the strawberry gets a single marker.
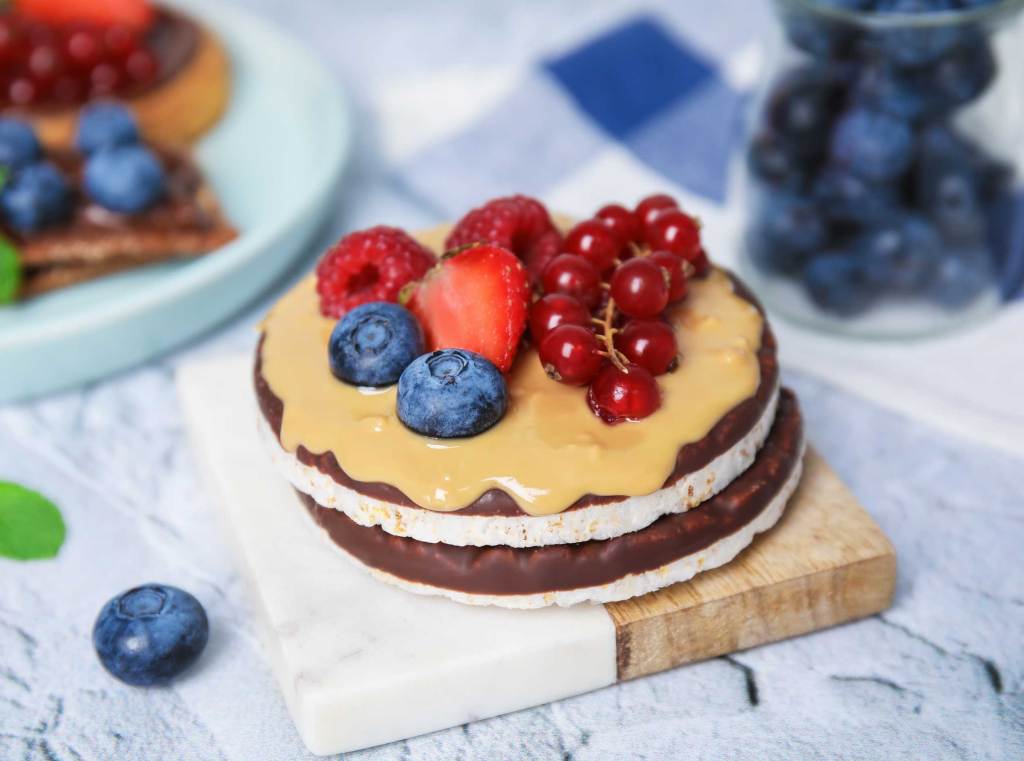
(519, 223)
(134, 13)
(476, 298)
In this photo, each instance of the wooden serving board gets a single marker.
(361, 663)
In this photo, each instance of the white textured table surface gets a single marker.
(941, 675)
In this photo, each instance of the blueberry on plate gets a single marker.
(150, 634)
(901, 256)
(35, 197)
(19, 145)
(837, 283)
(451, 393)
(127, 179)
(104, 125)
(790, 228)
(872, 143)
(374, 343)
(844, 196)
(802, 106)
(961, 276)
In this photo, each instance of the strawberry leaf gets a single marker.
(31, 526)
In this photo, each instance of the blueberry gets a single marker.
(801, 108)
(374, 343)
(874, 144)
(837, 283)
(900, 256)
(451, 393)
(847, 197)
(790, 229)
(36, 197)
(957, 79)
(821, 36)
(772, 161)
(148, 635)
(19, 145)
(961, 276)
(895, 91)
(916, 44)
(126, 179)
(105, 125)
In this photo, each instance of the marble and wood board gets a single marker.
(360, 663)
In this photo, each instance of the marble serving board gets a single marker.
(361, 663)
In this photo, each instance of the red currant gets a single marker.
(570, 354)
(650, 344)
(575, 276)
(673, 266)
(701, 264)
(674, 231)
(142, 66)
(640, 288)
(84, 48)
(616, 395)
(69, 89)
(45, 63)
(553, 310)
(105, 78)
(647, 208)
(622, 223)
(12, 39)
(593, 241)
(120, 41)
(22, 91)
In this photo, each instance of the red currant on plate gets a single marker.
(650, 344)
(701, 264)
(674, 231)
(575, 276)
(616, 395)
(622, 223)
(570, 354)
(673, 267)
(84, 48)
(640, 288)
(594, 242)
(553, 310)
(647, 208)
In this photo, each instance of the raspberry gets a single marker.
(369, 265)
(518, 223)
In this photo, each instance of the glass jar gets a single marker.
(882, 164)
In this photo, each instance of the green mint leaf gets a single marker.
(10, 272)
(5, 171)
(31, 526)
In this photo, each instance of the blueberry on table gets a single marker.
(844, 196)
(150, 634)
(127, 179)
(790, 228)
(374, 343)
(872, 143)
(19, 145)
(451, 393)
(104, 125)
(837, 283)
(901, 256)
(35, 198)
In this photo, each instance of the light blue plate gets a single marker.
(275, 160)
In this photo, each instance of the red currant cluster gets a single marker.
(599, 323)
(66, 64)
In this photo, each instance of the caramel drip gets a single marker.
(549, 449)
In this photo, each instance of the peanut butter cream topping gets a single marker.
(549, 449)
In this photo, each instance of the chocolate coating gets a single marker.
(733, 426)
(536, 570)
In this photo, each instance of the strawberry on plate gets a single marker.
(476, 298)
(134, 13)
(519, 223)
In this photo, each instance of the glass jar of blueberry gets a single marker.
(883, 164)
